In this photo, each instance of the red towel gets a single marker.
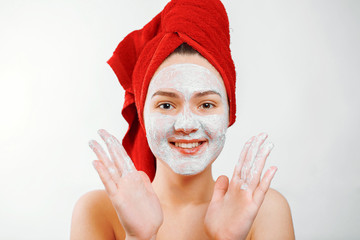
(204, 25)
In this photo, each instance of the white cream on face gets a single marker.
(188, 124)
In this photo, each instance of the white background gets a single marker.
(297, 79)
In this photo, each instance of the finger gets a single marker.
(117, 153)
(239, 164)
(105, 177)
(145, 177)
(103, 157)
(129, 165)
(220, 188)
(251, 155)
(264, 186)
(258, 165)
(146, 181)
(111, 146)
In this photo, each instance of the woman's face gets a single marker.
(186, 113)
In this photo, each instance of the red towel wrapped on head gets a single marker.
(202, 24)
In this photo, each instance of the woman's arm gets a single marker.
(274, 221)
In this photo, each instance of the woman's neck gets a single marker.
(180, 190)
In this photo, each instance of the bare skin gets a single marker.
(177, 206)
(95, 218)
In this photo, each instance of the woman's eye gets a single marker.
(207, 105)
(165, 106)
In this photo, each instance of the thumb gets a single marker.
(144, 176)
(221, 187)
(146, 181)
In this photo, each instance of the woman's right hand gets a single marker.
(129, 190)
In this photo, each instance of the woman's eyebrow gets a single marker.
(210, 92)
(166, 94)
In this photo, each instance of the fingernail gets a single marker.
(270, 146)
(251, 139)
(263, 136)
(101, 132)
(91, 144)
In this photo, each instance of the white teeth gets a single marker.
(187, 145)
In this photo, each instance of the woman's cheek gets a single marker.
(164, 124)
(159, 129)
(215, 126)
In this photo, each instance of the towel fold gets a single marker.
(202, 24)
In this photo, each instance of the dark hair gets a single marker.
(185, 49)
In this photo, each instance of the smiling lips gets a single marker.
(187, 146)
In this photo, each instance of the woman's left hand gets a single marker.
(234, 205)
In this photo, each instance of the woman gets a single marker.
(180, 99)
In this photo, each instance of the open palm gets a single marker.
(235, 205)
(129, 190)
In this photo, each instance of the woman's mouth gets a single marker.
(188, 146)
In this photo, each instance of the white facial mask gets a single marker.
(164, 131)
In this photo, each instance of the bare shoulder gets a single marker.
(274, 219)
(95, 218)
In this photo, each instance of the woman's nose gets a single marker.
(186, 122)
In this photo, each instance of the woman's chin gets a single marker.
(189, 168)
